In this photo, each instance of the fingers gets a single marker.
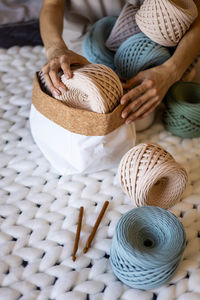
(135, 104)
(84, 61)
(65, 66)
(55, 92)
(150, 110)
(137, 91)
(63, 62)
(145, 92)
(132, 82)
(56, 81)
(52, 79)
(144, 110)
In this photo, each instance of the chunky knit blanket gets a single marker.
(39, 208)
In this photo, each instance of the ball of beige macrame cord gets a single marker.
(166, 21)
(93, 87)
(149, 175)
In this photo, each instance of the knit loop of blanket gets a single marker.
(182, 109)
(147, 247)
(165, 21)
(94, 87)
(139, 53)
(149, 175)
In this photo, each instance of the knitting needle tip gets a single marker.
(85, 250)
(78, 230)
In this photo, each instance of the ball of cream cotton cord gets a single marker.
(93, 87)
(182, 109)
(166, 21)
(149, 175)
(99, 101)
(147, 247)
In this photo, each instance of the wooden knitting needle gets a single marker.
(78, 230)
(96, 225)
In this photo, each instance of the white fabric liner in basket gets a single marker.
(71, 153)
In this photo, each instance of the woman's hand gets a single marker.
(60, 59)
(145, 92)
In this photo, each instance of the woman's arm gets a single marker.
(150, 86)
(51, 25)
(187, 49)
(57, 52)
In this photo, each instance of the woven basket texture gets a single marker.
(150, 176)
(165, 21)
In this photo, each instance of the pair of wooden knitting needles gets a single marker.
(90, 238)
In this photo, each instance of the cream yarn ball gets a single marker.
(93, 87)
(95, 98)
(166, 21)
(150, 176)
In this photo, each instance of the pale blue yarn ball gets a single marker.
(138, 53)
(93, 47)
(147, 246)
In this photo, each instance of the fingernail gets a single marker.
(55, 93)
(123, 115)
(67, 76)
(128, 122)
(62, 89)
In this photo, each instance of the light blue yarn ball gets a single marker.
(93, 47)
(138, 53)
(147, 246)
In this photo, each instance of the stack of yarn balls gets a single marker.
(138, 50)
(149, 241)
(140, 36)
(93, 87)
(144, 36)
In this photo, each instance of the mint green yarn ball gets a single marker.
(181, 115)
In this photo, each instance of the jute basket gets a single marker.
(73, 119)
(76, 140)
